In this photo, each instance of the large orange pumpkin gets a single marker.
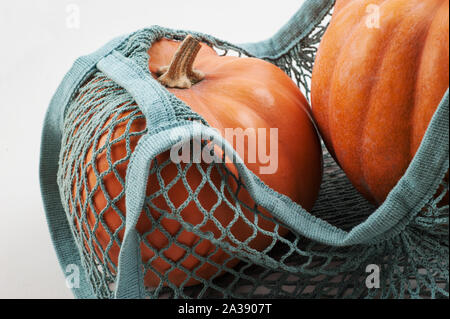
(376, 85)
(229, 92)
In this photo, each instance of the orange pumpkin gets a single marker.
(229, 92)
(376, 87)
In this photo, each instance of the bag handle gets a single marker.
(154, 103)
(66, 248)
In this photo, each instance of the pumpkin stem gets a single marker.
(180, 73)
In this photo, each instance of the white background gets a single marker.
(38, 46)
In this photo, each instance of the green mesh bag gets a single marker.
(329, 251)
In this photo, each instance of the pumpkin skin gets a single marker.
(235, 93)
(375, 90)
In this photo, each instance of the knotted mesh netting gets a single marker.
(102, 126)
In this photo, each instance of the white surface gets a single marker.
(39, 44)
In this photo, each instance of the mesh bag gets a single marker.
(109, 100)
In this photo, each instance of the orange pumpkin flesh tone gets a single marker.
(375, 90)
(229, 92)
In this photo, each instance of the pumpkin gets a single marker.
(376, 86)
(229, 92)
